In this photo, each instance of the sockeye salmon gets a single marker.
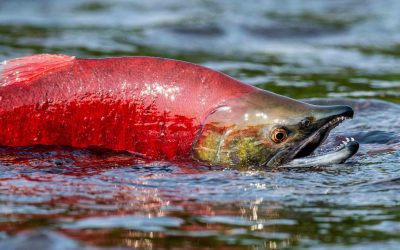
(160, 109)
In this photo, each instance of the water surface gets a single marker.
(345, 52)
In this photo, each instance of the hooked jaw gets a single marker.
(341, 153)
(328, 118)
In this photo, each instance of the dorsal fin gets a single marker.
(25, 69)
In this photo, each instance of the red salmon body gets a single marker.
(149, 106)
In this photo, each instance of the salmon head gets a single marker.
(263, 129)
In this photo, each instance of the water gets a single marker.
(63, 198)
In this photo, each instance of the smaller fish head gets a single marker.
(262, 129)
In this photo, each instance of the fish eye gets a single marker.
(278, 135)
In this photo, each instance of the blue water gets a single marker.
(329, 51)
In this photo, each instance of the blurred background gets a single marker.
(58, 198)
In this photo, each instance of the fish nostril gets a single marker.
(305, 123)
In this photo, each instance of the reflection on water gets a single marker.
(69, 198)
(113, 199)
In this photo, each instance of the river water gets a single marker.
(342, 52)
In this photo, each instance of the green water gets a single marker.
(331, 50)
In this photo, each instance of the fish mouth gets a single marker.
(311, 143)
(306, 147)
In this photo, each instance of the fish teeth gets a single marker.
(345, 142)
(338, 119)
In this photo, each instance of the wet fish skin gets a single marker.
(156, 108)
(149, 106)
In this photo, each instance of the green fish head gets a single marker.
(263, 129)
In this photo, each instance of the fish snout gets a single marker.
(331, 112)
